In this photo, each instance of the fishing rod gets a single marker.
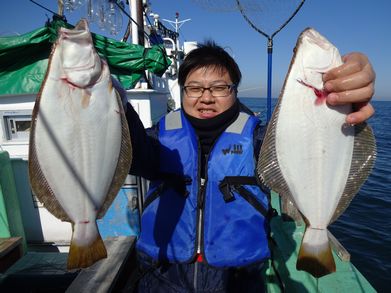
(269, 51)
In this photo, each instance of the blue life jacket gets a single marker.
(224, 215)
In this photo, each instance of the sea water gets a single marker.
(364, 229)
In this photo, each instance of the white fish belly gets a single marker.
(78, 146)
(314, 151)
(314, 146)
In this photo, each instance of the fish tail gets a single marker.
(84, 254)
(315, 255)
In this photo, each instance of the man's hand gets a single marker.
(352, 82)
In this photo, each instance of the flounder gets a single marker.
(310, 154)
(80, 150)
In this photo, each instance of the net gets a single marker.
(267, 17)
(264, 15)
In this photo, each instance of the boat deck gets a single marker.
(46, 271)
(282, 275)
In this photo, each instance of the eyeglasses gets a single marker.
(217, 91)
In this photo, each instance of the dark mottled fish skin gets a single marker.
(319, 261)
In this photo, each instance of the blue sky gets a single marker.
(352, 25)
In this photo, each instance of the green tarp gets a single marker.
(24, 59)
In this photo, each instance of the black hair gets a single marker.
(209, 55)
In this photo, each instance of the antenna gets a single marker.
(177, 24)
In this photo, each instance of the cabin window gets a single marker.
(17, 127)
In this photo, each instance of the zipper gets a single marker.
(201, 194)
(200, 205)
(200, 212)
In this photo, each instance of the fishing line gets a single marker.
(47, 9)
(131, 19)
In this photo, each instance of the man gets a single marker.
(205, 222)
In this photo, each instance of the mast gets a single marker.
(176, 25)
(136, 12)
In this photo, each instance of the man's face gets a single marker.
(208, 106)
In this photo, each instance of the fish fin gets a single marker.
(315, 255)
(124, 161)
(268, 169)
(363, 160)
(39, 185)
(82, 255)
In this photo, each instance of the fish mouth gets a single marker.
(82, 25)
(317, 39)
(80, 32)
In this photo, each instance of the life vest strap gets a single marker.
(235, 183)
(177, 182)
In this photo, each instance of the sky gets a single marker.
(351, 25)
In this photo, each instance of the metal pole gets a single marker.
(134, 12)
(269, 52)
(269, 79)
(140, 21)
(60, 4)
(177, 25)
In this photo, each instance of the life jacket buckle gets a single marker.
(226, 190)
